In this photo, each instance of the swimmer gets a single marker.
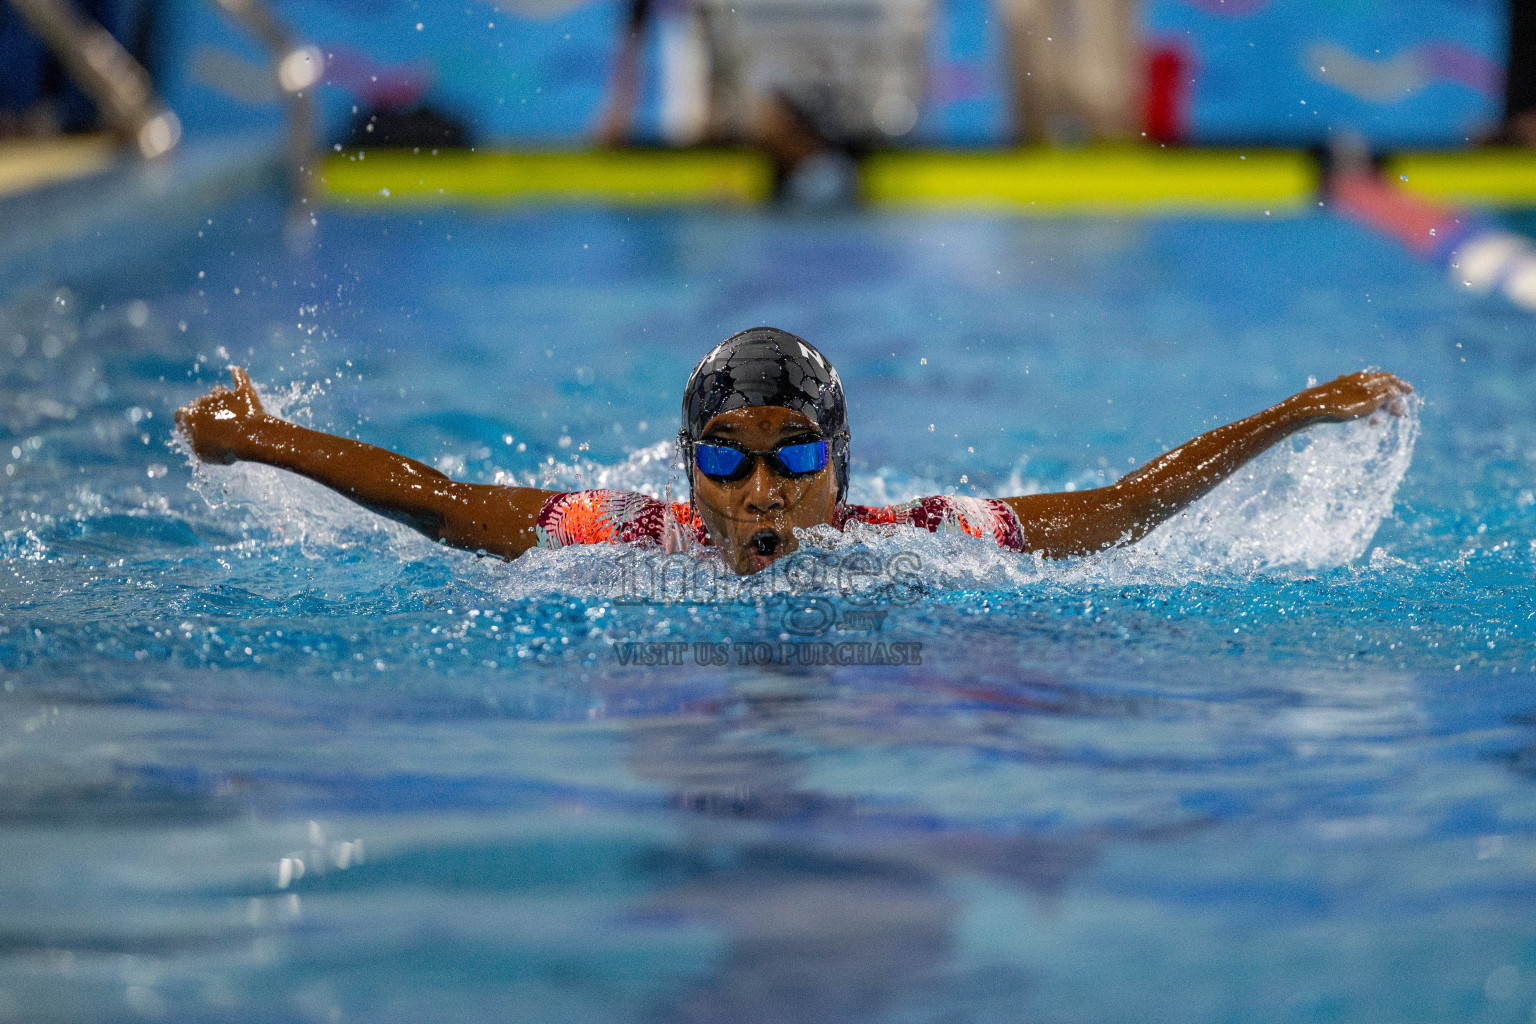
(765, 446)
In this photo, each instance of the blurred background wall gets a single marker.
(537, 73)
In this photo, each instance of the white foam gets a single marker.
(653, 470)
(1312, 502)
(271, 506)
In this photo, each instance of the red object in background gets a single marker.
(1167, 95)
(382, 87)
(1423, 226)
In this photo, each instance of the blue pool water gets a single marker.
(264, 756)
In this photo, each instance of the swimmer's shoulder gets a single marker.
(608, 516)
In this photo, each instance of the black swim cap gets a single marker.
(767, 366)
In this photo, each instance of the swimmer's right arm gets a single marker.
(226, 426)
(1081, 522)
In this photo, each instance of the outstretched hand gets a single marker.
(1354, 396)
(219, 424)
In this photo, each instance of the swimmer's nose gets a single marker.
(764, 491)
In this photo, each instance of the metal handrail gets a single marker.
(298, 67)
(124, 93)
(106, 72)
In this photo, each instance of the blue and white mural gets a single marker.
(1396, 73)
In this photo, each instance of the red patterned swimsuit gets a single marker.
(624, 517)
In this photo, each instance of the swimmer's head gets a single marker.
(764, 366)
(765, 443)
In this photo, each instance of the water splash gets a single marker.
(1313, 502)
(654, 470)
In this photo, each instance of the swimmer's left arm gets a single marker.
(226, 426)
(1081, 522)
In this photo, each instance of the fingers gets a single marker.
(1390, 380)
(1359, 394)
(1388, 391)
(246, 391)
(1392, 389)
(1377, 381)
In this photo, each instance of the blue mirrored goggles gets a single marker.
(723, 461)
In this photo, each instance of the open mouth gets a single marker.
(764, 546)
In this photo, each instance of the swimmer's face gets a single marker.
(751, 520)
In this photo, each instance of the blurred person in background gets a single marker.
(1075, 67)
(814, 86)
(683, 78)
(1519, 125)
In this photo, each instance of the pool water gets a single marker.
(264, 755)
